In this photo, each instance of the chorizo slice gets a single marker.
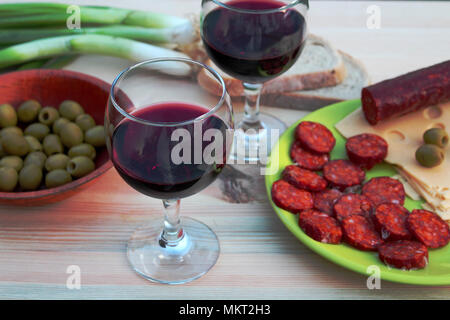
(320, 226)
(366, 150)
(404, 254)
(325, 200)
(390, 221)
(306, 159)
(428, 228)
(359, 232)
(315, 137)
(343, 174)
(384, 190)
(290, 198)
(351, 204)
(303, 178)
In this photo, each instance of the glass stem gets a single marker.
(172, 233)
(251, 108)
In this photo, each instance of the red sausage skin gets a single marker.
(406, 93)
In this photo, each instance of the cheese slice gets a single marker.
(436, 203)
(404, 136)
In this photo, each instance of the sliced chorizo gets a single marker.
(343, 174)
(315, 137)
(325, 200)
(404, 254)
(290, 198)
(351, 204)
(390, 221)
(303, 178)
(384, 190)
(306, 159)
(366, 150)
(320, 226)
(428, 228)
(359, 232)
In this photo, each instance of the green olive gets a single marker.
(56, 161)
(37, 157)
(8, 179)
(37, 130)
(436, 136)
(83, 149)
(96, 136)
(71, 135)
(28, 111)
(52, 144)
(33, 143)
(58, 124)
(2, 152)
(15, 130)
(57, 178)
(15, 144)
(14, 162)
(30, 177)
(85, 121)
(48, 116)
(8, 116)
(80, 166)
(430, 155)
(70, 109)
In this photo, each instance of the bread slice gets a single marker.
(319, 65)
(357, 78)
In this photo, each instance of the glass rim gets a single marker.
(287, 6)
(128, 115)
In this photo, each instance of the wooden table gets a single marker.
(260, 259)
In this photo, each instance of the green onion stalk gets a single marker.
(46, 14)
(180, 34)
(91, 44)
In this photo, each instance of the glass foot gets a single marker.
(247, 145)
(191, 258)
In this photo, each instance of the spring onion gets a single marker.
(181, 34)
(90, 44)
(33, 65)
(59, 62)
(46, 14)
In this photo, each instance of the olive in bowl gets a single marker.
(28, 93)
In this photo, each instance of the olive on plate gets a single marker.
(436, 136)
(430, 155)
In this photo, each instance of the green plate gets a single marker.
(438, 270)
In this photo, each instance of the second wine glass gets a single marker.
(167, 139)
(254, 41)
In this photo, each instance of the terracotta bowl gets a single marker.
(50, 88)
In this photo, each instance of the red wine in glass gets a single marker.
(254, 46)
(142, 153)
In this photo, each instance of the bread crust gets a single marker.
(308, 100)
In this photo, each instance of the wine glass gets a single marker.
(254, 41)
(168, 139)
